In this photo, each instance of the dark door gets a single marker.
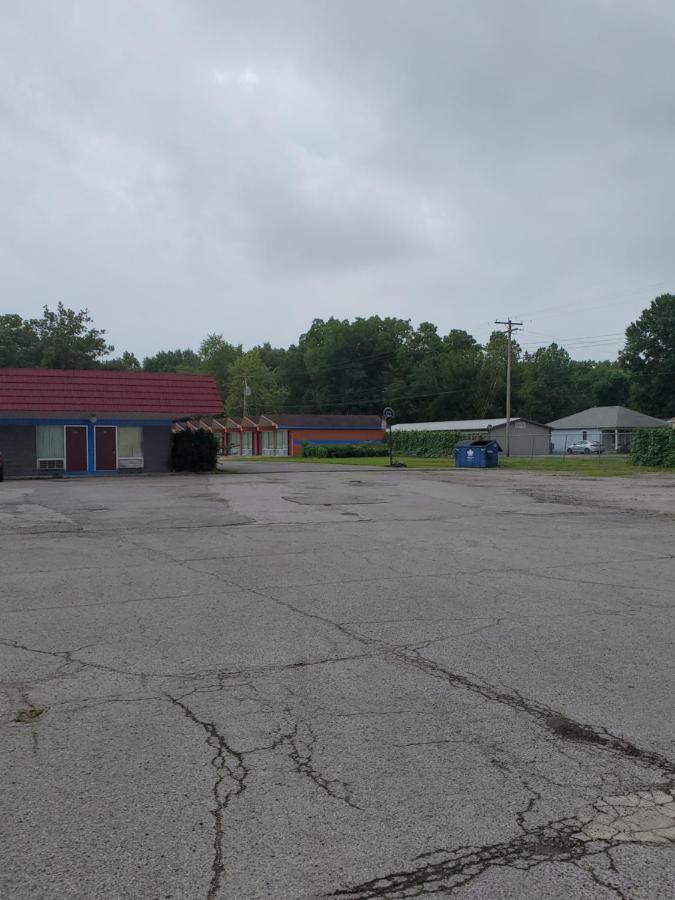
(106, 448)
(76, 448)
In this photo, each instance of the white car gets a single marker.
(585, 447)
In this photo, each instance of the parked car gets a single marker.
(2, 467)
(585, 447)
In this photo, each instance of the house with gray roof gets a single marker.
(612, 426)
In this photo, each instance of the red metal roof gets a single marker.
(94, 391)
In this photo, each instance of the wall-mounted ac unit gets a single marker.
(130, 462)
(50, 465)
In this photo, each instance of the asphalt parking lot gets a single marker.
(291, 682)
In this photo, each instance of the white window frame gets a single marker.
(128, 462)
(50, 459)
(283, 450)
(269, 437)
(247, 438)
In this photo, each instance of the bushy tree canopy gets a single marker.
(649, 357)
(59, 339)
(363, 365)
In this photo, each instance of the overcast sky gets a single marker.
(205, 166)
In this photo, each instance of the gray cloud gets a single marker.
(215, 166)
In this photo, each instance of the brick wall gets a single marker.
(333, 436)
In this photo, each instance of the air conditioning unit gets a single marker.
(130, 462)
(50, 465)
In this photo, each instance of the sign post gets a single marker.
(388, 415)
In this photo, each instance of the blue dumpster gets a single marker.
(477, 454)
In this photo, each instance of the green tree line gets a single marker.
(363, 365)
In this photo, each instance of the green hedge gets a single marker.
(429, 444)
(193, 451)
(653, 447)
(338, 451)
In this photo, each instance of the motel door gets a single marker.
(106, 448)
(76, 448)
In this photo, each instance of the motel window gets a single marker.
(282, 442)
(129, 441)
(268, 441)
(50, 442)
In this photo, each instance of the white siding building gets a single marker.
(611, 426)
(526, 438)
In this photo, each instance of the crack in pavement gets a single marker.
(222, 674)
(107, 603)
(561, 725)
(301, 754)
(445, 871)
(228, 764)
(556, 722)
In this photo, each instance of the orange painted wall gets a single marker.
(353, 436)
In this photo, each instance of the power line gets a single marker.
(628, 294)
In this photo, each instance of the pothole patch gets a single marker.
(645, 816)
(26, 716)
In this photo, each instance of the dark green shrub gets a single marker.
(341, 451)
(193, 451)
(429, 444)
(314, 450)
(653, 447)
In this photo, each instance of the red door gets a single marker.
(106, 448)
(76, 448)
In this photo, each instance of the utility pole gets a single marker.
(245, 395)
(510, 328)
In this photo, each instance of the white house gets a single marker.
(612, 426)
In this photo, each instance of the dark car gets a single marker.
(2, 467)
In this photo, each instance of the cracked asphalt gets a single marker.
(290, 681)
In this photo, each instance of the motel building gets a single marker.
(284, 435)
(95, 421)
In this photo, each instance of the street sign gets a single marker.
(388, 414)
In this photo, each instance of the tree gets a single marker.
(273, 357)
(217, 358)
(265, 394)
(649, 357)
(127, 362)
(548, 389)
(604, 383)
(64, 340)
(18, 342)
(59, 339)
(347, 366)
(493, 377)
(173, 361)
(444, 380)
